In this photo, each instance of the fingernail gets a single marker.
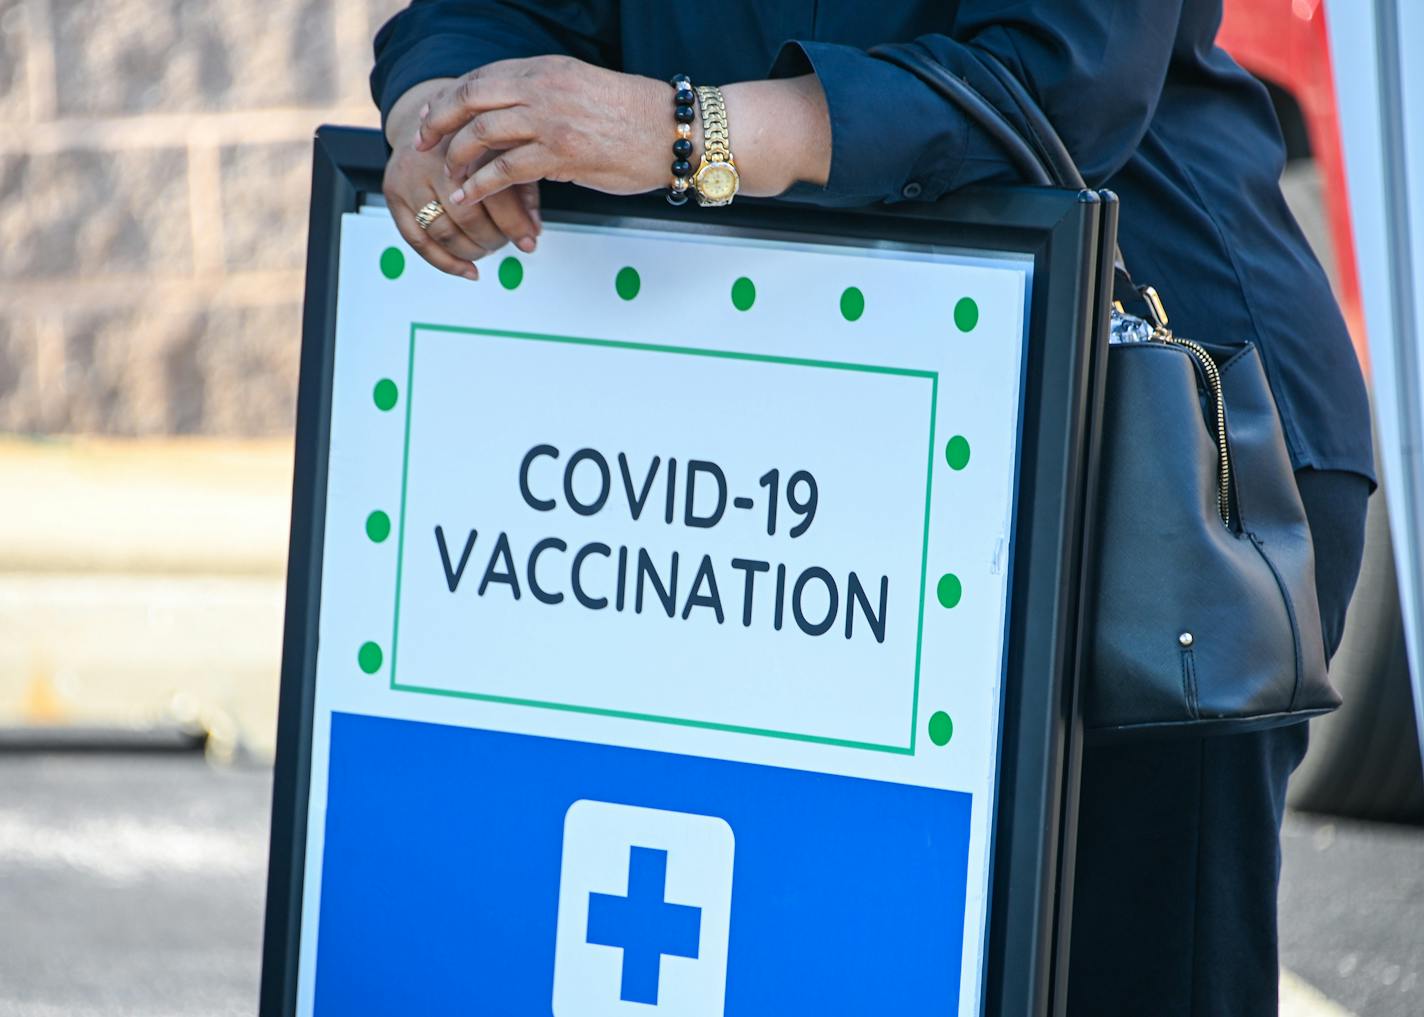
(458, 197)
(471, 275)
(538, 220)
(447, 171)
(424, 110)
(525, 244)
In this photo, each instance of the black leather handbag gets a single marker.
(1204, 611)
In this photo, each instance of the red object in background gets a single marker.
(1285, 42)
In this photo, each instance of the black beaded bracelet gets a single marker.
(684, 113)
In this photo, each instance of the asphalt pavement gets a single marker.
(1352, 912)
(130, 885)
(133, 885)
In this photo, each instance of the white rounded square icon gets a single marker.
(645, 912)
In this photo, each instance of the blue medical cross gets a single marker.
(644, 925)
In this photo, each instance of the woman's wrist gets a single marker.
(780, 133)
(404, 116)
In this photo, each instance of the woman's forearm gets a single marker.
(780, 132)
(557, 118)
(478, 145)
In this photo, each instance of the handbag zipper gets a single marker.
(1213, 377)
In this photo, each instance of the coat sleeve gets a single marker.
(1096, 67)
(446, 38)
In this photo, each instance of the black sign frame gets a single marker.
(1069, 235)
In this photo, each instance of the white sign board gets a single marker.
(661, 639)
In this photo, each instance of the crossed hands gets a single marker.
(479, 145)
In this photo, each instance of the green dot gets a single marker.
(385, 394)
(627, 282)
(392, 263)
(966, 314)
(743, 294)
(378, 526)
(511, 273)
(852, 303)
(370, 657)
(949, 590)
(941, 728)
(956, 453)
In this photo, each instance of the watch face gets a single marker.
(717, 182)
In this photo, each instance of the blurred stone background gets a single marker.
(154, 164)
(154, 175)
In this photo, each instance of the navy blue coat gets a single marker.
(1146, 102)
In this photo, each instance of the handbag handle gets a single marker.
(1049, 143)
(958, 92)
(1044, 162)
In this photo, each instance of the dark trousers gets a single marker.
(1174, 901)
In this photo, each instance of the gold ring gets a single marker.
(428, 213)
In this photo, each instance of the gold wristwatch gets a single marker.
(716, 179)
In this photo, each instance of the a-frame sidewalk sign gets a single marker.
(684, 618)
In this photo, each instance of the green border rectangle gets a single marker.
(762, 358)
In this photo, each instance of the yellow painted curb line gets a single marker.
(173, 506)
(1301, 999)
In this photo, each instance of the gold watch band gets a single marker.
(716, 180)
(716, 140)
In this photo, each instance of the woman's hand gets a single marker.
(465, 233)
(550, 118)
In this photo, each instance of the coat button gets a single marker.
(912, 190)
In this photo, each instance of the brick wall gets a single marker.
(154, 165)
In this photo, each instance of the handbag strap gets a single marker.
(1046, 139)
(973, 105)
(1042, 158)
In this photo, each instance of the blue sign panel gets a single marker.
(468, 871)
